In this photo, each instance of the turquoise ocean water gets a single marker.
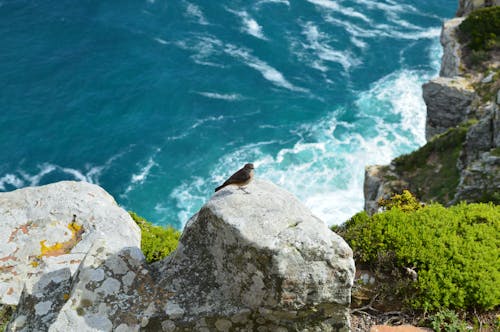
(159, 101)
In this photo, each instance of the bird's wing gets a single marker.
(240, 176)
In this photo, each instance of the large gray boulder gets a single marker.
(448, 103)
(46, 231)
(257, 262)
(245, 262)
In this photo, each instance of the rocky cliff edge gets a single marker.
(70, 260)
(461, 161)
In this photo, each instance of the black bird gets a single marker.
(241, 178)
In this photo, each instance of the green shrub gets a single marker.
(157, 242)
(404, 201)
(455, 252)
(481, 29)
(6, 312)
(447, 321)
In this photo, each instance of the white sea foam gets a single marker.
(263, 2)
(328, 158)
(200, 122)
(334, 6)
(317, 41)
(161, 41)
(90, 173)
(12, 180)
(195, 12)
(250, 25)
(206, 49)
(141, 176)
(222, 96)
(384, 30)
(268, 72)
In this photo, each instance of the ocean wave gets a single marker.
(318, 42)
(206, 49)
(328, 158)
(160, 40)
(250, 25)
(195, 12)
(22, 178)
(384, 31)
(221, 96)
(334, 6)
(269, 73)
(263, 2)
(141, 176)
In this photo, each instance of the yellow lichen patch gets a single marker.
(61, 248)
(34, 263)
(65, 297)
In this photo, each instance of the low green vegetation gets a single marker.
(435, 160)
(454, 252)
(157, 242)
(447, 321)
(6, 312)
(480, 31)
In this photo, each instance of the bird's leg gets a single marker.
(243, 188)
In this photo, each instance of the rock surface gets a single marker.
(452, 101)
(467, 6)
(258, 262)
(448, 103)
(451, 61)
(46, 231)
(245, 262)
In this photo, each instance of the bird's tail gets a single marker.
(219, 188)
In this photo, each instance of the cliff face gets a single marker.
(465, 7)
(461, 160)
(245, 262)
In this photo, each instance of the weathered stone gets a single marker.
(448, 103)
(381, 181)
(479, 164)
(247, 262)
(451, 60)
(48, 229)
(467, 6)
(261, 256)
(480, 180)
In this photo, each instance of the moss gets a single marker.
(157, 242)
(6, 312)
(450, 249)
(495, 152)
(432, 170)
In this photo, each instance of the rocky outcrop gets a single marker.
(380, 182)
(480, 160)
(448, 103)
(451, 63)
(245, 262)
(461, 160)
(465, 7)
(260, 261)
(45, 232)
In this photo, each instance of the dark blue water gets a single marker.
(158, 101)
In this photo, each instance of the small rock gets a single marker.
(488, 79)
